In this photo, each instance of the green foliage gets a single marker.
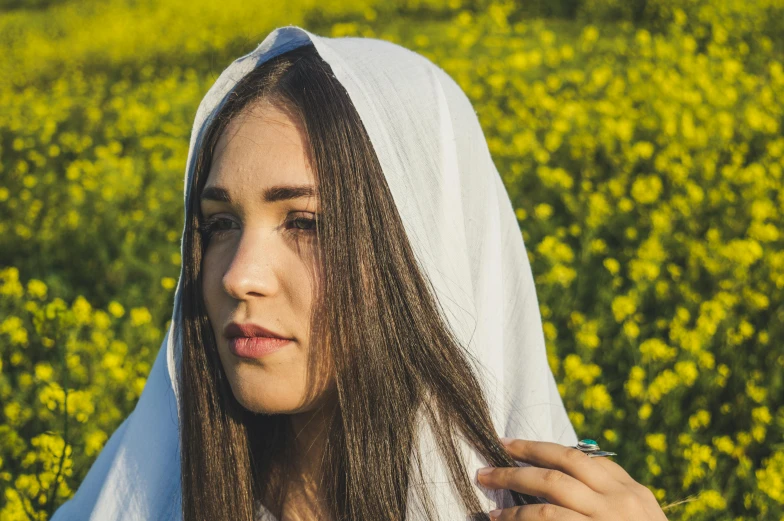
(644, 157)
(84, 155)
(69, 375)
(647, 170)
(10, 5)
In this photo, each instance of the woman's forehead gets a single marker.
(262, 146)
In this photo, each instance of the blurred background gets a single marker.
(640, 142)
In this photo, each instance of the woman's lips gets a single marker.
(256, 346)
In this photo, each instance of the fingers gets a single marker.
(539, 513)
(555, 486)
(566, 459)
(615, 470)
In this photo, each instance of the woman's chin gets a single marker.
(266, 403)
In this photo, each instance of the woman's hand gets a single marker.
(578, 487)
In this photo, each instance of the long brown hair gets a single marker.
(392, 356)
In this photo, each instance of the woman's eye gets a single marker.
(215, 226)
(303, 224)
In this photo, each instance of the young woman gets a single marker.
(355, 323)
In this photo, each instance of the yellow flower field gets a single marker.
(642, 145)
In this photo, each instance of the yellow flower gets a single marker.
(577, 419)
(625, 205)
(664, 382)
(576, 370)
(555, 250)
(596, 245)
(82, 310)
(94, 442)
(636, 373)
(44, 371)
(101, 320)
(543, 211)
(561, 275)
(655, 349)
(140, 316)
(36, 289)
(590, 33)
(656, 441)
(761, 415)
(596, 397)
(770, 478)
(631, 329)
(80, 405)
(12, 412)
(646, 189)
(116, 309)
(550, 332)
(699, 419)
(653, 466)
(634, 388)
(707, 500)
(612, 265)
(724, 444)
(13, 327)
(643, 149)
(623, 306)
(756, 393)
(687, 372)
(587, 335)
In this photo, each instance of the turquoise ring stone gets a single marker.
(588, 445)
(591, 448)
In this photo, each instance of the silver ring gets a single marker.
(591, 448)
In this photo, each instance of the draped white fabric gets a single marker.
(462, 227)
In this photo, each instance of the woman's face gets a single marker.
(260, 265)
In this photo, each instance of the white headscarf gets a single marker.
(463, 230)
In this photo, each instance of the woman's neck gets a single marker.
(310, 433)
(305, 500)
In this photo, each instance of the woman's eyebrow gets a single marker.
(270, 195)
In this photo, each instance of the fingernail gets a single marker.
(494, 514)
(484, 470)
(506, 441)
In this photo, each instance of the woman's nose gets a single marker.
(252, 270)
